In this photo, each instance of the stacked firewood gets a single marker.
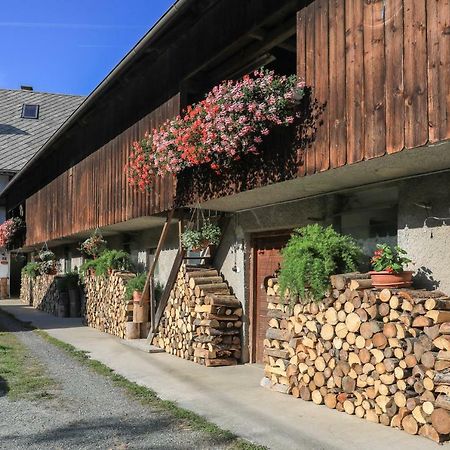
(26, 289)
(106, 308)
(41, 293)
(382, 355)
(202, 319)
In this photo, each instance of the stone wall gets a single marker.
(382, 355)
(40, 292)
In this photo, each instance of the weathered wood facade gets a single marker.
(379, 70)
(95, 192)
(382, 71)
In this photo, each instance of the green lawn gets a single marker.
(21, 375)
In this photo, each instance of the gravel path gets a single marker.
(87, 412)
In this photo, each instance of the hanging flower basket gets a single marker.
(93, 245)
(197, 240)
(9, 230)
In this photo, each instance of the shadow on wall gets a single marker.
(424, 279)
(283, 152)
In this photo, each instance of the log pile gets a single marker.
(106, 308)
(382, 355)
(202, 319)
(25, 289)
(40, 292)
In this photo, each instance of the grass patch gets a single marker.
(149, 397)
(21, 375)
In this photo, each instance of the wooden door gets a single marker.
(267, 259)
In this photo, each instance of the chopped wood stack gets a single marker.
(202, 319)
(382, 355)
(106, 308)
(25, 289)
(40, 292)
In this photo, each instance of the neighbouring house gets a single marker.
(372, 158)
(27, 120)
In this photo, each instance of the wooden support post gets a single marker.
(147, 294)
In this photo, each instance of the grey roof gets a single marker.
(21, 138)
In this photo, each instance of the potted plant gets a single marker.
(134, 290)
(72, 279)
(311, 256)
(88, 268)
(197, 240)
(47, 262)
(210, 234)
(191, 240)
(93, 245)
(63, 296)
(388, 267)
(111, 260)
(135, 287)
(31, 270)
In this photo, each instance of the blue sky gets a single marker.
(69, 46)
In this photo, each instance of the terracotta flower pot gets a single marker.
(140, 311)
(385, 279)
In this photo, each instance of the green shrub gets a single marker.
(312, 254)
(61, 283)
(31, 269)
(88, 264)
(135, 284)
(159, 289)
(73, 279)
(108, 260)
(113, 260)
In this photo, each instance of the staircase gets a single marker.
(201, 320)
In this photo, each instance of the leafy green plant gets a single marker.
(191, 239)
(209, 234)
(159, 289)
(312, 254)
(61, 283)
(73, 279)
(46, 255)
(31, 269)
(113, 260)
(87, 265)
(108, 260)
(390, 259)
(135, 284)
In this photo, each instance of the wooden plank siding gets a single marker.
(381, 69)
(95, 193)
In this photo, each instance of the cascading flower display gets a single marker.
(229, 123)
(9, 229)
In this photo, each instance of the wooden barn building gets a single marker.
(377, 165)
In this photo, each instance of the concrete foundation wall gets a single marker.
(428, 246)
(353, 213)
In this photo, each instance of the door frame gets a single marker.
(253, 288)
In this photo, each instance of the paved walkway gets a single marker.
(228, 396)
(87, 411)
